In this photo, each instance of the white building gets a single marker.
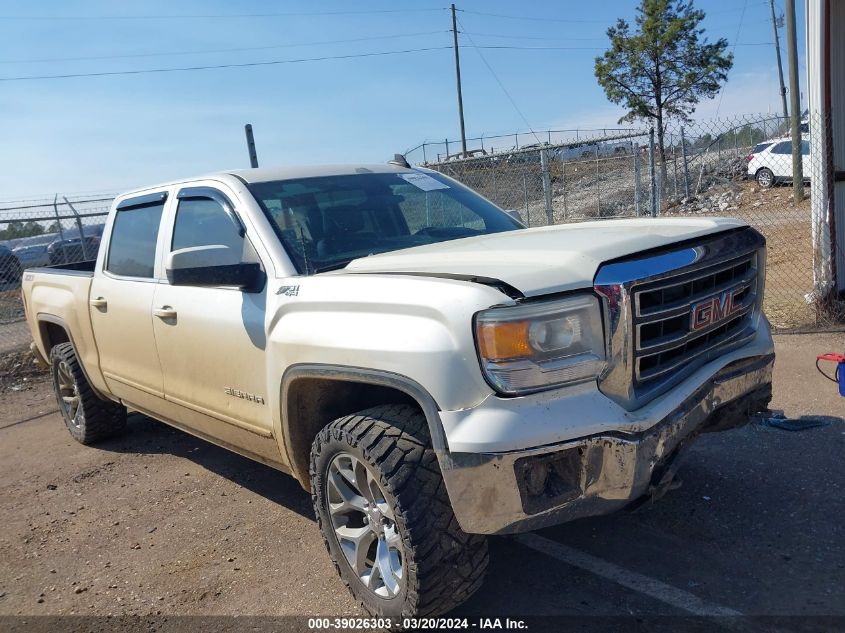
(826, 91)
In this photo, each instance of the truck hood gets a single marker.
(546, 259)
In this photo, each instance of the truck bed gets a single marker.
(81, 269)
(57, 297)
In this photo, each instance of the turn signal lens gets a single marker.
(504, 341)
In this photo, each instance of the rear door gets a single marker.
(211, 340)
(121, 301)
(780, 159)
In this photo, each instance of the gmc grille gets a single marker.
(663, 317)
(669, 312)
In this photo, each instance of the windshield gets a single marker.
(326, 222)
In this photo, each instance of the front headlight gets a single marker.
(532, 347)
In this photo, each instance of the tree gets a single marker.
(665, 68)
(17, 229)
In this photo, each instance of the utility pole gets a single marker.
(777, 52)
(250, 146)
(794, 103)
(458, 78)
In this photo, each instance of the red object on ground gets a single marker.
(836, 358)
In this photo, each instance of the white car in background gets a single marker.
(771, 162)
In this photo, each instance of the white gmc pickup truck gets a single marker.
(432, 371)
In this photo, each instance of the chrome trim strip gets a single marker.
(677, 341)
(725, 343)
(674, 310)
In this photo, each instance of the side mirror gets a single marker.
(516, 215)
(215, 265)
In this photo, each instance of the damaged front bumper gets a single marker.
(522, 490)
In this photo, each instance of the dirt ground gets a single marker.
(158, 522)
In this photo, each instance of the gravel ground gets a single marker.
(160, 523)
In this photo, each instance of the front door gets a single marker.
(211, 340)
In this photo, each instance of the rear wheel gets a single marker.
(382, 507)
(87, 417)
(765, 177)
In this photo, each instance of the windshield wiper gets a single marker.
(332, 266)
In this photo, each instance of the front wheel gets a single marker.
(385, 516)
(765, 178)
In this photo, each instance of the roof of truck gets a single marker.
(264, 174)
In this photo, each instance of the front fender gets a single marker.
(416, 327)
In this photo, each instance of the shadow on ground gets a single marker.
(148, 436)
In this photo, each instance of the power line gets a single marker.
(499, 81)
(574, 20)
(218, 50)
(216, 66)
(575, 48)
(534, 37)
(736, 39)
(87, 18)
(530, 18)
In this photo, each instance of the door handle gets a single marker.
(99, 302)
(164, 312)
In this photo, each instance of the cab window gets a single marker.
(132, 247)
(204, 222)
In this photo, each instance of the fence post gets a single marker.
(525, 194)
(736, 142)
(58, 220)
(686, 167)
(598, 187)
(78, 228)
(424, 159)
(547, 186)
(675, 169)
(637, 179)
(516, 140)
(652, 180)
(447, 149)
(563, 183)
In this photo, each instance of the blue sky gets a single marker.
(110, 133)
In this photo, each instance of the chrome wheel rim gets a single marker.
(69, 394)
(765, 179)
(364, 525)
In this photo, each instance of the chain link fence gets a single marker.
(739, 167)
(42, 233)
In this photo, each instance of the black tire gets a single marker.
(90, 419)
(441, 565)
(765, 178)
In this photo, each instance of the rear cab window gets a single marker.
(134, 235)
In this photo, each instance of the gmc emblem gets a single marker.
(715, 309)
